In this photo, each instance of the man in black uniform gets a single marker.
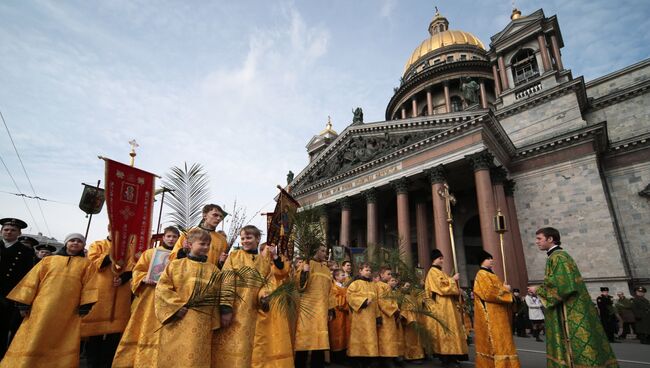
(607, 313)
(641, 309)
(16, 259)
(519, 314)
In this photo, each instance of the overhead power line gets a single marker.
(25, 171)
(31, 215)
(36, 198)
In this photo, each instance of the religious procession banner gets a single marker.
(92, 199)
(281, 223)
(129, 202)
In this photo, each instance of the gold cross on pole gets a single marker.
(133, 145)
(450, 200)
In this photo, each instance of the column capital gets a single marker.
(498, 175)
(371, 195)
(509, 187)
(483, 160)
(345, 203)
(436, 174)
(401, 185)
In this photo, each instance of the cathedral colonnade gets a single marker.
(419, 218)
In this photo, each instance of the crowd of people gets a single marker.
(254, 307)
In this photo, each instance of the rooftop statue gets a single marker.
(357, 117)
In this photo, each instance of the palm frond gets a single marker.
(190, 193)
(286, 300)
(308, 233)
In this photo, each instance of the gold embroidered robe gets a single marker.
(232, 346)
(311, 332)
(184, 342)
(113, 308)
(412, 347)
(364, 341)
(388, 333)
(492, 323)
(273, 344)
(339, 327)
(139, 344)
(218, 245)
(441, 297)
(49, 335)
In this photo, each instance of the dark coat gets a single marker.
(15, 262)
(641, 309)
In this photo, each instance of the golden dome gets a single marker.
(442, 39)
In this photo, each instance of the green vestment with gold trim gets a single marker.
(570, 311)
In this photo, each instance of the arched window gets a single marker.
(456, 104)
(524, 66)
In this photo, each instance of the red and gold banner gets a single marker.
(281, 223)
(129, 202)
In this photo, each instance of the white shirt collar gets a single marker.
(8, 244)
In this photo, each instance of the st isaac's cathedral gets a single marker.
(508, 130)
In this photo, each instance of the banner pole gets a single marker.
(90, 218)
(162, 202)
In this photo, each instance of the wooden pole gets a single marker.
(90, 217)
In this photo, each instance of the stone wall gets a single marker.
(540, 122)
(626, 119)
(618, 80)
(570, 197)
(633, 212)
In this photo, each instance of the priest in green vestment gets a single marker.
(574, 334)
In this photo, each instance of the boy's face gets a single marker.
(438, 261)
(543, 243)
(74, 246)
(321, 254)
(42, 253)
(248, 241)
(392, 282)
(347, 267)
(386, 275)
(10, 233)
(341, 276)
(213, 218)
(170, 238)
(488, 263)
(199, 247)
(365, 272)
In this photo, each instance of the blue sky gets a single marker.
(239, 87)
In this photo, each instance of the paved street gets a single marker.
(630, 354)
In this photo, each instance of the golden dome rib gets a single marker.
(439, 40)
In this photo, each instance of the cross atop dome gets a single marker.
(438, 24)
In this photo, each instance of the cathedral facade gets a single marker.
(506, 130)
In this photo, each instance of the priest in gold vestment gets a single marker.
(362, 298)
(273, 344)
(441, 297)
(492, 319)
(52, 296)
(312, 332)
(212, 216)
(232, 345)
(106, 321)
(139, 344)
(187, 325)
